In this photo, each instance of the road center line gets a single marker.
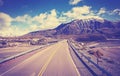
(46, 64)
(39, 53)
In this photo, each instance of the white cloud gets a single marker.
(5, 20)
(48, 20)
(6, 27)
(24, 24)
(13, 31)
(101, 11)
(41, 17)
(113, 12)
(74, 2)
(116, 11)
(83, 12)
(22, 18)
(76, 12)
(33, 27)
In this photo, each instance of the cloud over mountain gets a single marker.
(116, 11)
(48, 20)
(101, 11)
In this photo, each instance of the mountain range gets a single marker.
(82, 28)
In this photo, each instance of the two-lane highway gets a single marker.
(55, 60)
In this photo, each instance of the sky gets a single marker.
(18, 17)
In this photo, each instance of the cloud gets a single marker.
(41, 17)
(74, 2)
(6, 27)
(83, 12)
(23, 24)
(47, 20)
(78, 11)
(13, 31)
(116, 11)
(101, 11)
(5, 20)
(23, 18)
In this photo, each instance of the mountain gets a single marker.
(45, 33)
(83, 28)
(90, 28)
(86, 26)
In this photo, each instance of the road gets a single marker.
(54, 60)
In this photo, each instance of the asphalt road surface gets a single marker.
(54, 60)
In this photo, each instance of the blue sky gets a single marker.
(34, 7)
(32, 15)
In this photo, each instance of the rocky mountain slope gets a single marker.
(97, 27)
(86, 26)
